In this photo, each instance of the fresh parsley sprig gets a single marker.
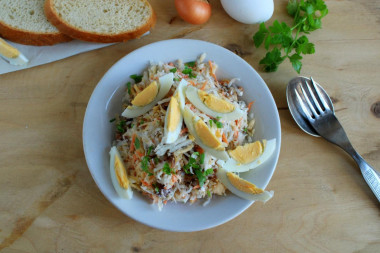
(286, 41)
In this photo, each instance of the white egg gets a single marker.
(165, 83)
(180, 93)
(234, 166)
(249, 11)
(226, 110)
(173, 121)
(119, 175)
(190, 120)
(264, 197)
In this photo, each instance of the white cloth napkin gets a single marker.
(45, 54)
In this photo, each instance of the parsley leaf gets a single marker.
(112, 120)
(120, 126)
(137, 143)
(189, 72)
(173, 70)
(144, 165)
(129, 88)
(137, 78)
(190, 64)
(149, 150)
(167, 170)
(286, 41)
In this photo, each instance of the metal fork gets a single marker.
(322, 118)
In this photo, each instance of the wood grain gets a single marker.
(49, 202)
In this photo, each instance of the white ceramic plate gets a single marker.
(105, 103)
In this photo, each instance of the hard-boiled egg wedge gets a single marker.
(119, 176)
(11, 54)
(180, 93)
(203, 135)
(173, 121)
(213, 105)
(243, 188)
(149, 97)
(249, 156)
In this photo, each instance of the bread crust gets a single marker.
(73, 32)
(31, 38)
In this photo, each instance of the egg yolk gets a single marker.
(247, 153)
(215, 103)
(147, 95)
(121, 173)
(206, 136)
(173, 114)
(243, 185)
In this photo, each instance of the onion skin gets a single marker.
(195, 12)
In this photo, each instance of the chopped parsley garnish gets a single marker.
(137, 78)
(167, 170)
(173, 70)
(132, 125)
(176, 79)
(149, 150)
(189, 72)
(190, 64)
(120, 126)
(217, 122)
(156, 189)
(156, 160)
(129, 87)
(208, 193)
(137, 143)
(142, 122)
(195, 162)
(245, 130)
(144, 165)
(112, 120)
(202, 158)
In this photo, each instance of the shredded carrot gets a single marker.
(196, 187)
(236, 135)
(174, 178)
(165, 202)
(224, 138)
(212, 70)
(145, 183)
(199, 150)
(250, 105)
(204, 85)
(132, 147)
(192, 83)
(170, 64)
(184, 130)
(139, 153)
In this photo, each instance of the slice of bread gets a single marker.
(24, 21)
(102, 21)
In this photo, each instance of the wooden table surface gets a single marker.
(50, 203)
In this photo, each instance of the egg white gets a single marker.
(165, 83)
(172, 136)
(222, 176)
(122, 192)
(193, 96)
(234, 166)
(190, 119)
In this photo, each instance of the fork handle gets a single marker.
(371, 176)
